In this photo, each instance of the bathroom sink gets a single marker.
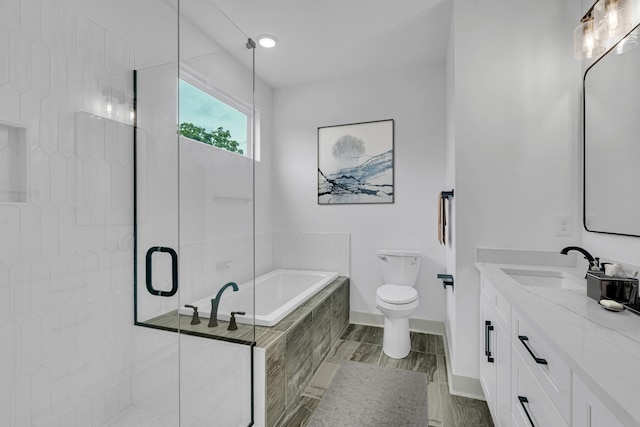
(546, 279)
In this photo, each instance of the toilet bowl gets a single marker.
(397, 299)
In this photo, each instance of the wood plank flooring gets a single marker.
(364, 344)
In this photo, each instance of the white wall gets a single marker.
(450, 320)
(516, 110)
(415, 99)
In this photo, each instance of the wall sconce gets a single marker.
(601, 25)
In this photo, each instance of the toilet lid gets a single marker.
(396, 294)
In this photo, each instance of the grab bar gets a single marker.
(174, 271)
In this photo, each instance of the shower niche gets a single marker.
(13, 164)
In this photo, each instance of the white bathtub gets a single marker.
(277, 294)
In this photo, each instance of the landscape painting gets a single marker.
(355, 163)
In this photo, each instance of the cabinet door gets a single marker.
(503, 377)
(588, 410)
(495, 365)
(487, 356)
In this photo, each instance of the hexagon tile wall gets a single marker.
(66, 251)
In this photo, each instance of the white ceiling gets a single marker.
(328, 39)
(318, 39)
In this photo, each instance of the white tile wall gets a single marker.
(69, 355)
(313, 251)
(13, 164)
(66, 254)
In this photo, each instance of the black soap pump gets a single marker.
(195, 320)
(232, 323)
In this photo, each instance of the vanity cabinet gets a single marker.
(525, 380)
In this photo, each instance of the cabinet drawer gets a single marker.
(552, 373)
(530, 405)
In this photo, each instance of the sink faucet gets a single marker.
(594, 263)
(213, 318)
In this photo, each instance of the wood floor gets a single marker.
(364, 344)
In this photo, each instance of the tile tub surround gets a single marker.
(294, 348)
(364, 344)
(297, 346)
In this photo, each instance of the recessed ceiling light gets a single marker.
(267, 40)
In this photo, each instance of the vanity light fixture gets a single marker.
(611, 18)
(601, 25)
(585, 43)
(628, 43)
(267, 40)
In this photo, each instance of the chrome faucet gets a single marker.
(213, 318)
(594, 263)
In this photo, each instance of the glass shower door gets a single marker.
(216, 185)
(194, 198)
(156, 344)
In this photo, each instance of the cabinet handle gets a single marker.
(488, 327)
(524, 400)
(523, 339)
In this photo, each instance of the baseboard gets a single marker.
(464, 386)
(460, 385)
(418, 325)
(370, 319)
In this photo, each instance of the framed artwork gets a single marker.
(355, 163)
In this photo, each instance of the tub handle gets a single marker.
(174, 271)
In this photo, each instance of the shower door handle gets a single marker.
(174, 271)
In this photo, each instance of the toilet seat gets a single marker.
(397, 294)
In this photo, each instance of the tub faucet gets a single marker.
(213, 318)
(594, 263)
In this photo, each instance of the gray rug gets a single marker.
(369, 395)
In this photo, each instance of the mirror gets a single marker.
(612, 140)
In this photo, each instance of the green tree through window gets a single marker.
(207, 119)
(218, 138)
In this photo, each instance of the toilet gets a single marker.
(397, 299)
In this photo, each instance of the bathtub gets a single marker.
(278, 293)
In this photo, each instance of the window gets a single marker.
(210, 120)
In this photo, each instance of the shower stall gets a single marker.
(129, 155)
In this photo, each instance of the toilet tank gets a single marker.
(399, 267)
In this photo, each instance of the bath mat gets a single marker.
(368, 395)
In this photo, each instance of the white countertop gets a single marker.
(601, 346)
